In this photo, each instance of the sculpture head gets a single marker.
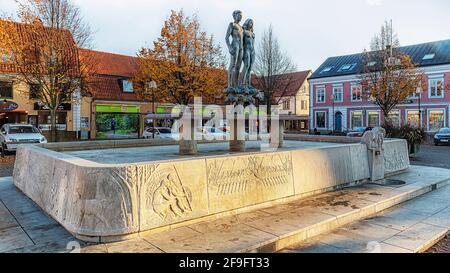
(237, 15)
(248, 25)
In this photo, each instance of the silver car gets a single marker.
(12, 135)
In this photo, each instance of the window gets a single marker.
(287, 104)
(127, 86)
(6, 90)
(356, 93)
(370, 64)
(356, 119)
(304, 105)
(435, 88)
(436, 120)
(373, 119)
(321, 120)
(327, 69)
(338, 93)
(414, 95)
(429, 57)
(320, 95)
(413, 117)
(394, 118)
(35, 91)
(347, 67)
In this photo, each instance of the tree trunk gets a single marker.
(53, 125)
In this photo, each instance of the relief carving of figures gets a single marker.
(166, 195)
(230, 176)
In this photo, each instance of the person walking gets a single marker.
(113, 126)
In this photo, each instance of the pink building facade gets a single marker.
(349, 109)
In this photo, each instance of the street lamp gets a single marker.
(419, 92)
(152, 85)
(333, 99)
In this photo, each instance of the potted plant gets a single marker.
(415, 137)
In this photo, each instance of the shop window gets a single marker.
(394, 118)
(6, 90)
(413, 118)
(436, 120)
(45, 117)
(357, 119)
(373, 119)
(321, 120)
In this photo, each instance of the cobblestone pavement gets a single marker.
(7, 165)
(433, 156)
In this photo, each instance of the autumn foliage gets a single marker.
(43, 51)
(185, 63)
(388, 76)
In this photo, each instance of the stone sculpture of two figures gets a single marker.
(242, 50)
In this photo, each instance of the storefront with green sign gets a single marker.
(117, 121)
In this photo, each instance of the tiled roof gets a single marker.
(289, 85)
(110, 69)
(108, 88)
(440, 49)
(28, 34)
(111, 64)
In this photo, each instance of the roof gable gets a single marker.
(289, 85)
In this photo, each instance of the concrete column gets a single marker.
(276, 133)
(237, 142)
(188, 143)
(376, 165)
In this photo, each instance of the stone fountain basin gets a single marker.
(109, 194)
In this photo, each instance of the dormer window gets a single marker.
(347, 67)
(127, 86)
(327, 69)
(429, 57)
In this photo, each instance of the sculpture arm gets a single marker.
(227, 37)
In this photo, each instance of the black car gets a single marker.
(442, 136)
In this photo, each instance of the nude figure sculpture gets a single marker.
(236, 48)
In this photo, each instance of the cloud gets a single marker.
(374, 2)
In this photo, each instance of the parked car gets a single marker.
(12, 135)
(212, 133)
(442, 136)
(160, 133)
(359, 131)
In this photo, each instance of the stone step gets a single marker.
(278, 227)
(411, 227)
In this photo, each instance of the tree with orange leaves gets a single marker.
(388, 76)
(43, 50)
(185, 63)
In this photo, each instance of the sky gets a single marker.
(308, 31)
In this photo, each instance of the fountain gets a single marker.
(110, 190)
